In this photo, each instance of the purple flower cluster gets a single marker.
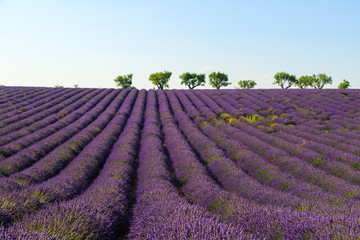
(179, 164)
(100, 210)
(253, 165)
(70, 105)
(29, 155)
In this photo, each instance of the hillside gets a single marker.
(179, 164)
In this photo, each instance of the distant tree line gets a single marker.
(220, 79)
(191, 80)
(317, 81)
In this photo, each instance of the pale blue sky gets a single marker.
(86, 42)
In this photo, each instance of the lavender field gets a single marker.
(80, 163)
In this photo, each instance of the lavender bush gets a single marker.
(179, 164)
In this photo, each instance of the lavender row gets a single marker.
(15, 141)
(159, 212)
(99, 211)
(47, 107)
(269, 222)
(330, 139)
(78, 175)
(325, 111)
(30, 109)
(22, 99)
(297, 167)
(13, 93)
(335, 136)
(224, 170)
(11, 96)
(69, 106)
(345, 141)
(18, 149)
(259, 168)
(28, 156)
(326, 158)
(336, 150)
(59, 157)
(339, 120)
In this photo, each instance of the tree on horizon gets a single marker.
(247, 84)
(192, 80)
(124, 81)
(218, 79)
(160, 79)
(285, 80)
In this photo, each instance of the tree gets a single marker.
(124, 81)
(160, 79)
(284, 80)
(320, 80)
(218, 79)
(305, 81)
(76, 85)
(58, 86)
(247, 84)
(192, 80)
(344, 84)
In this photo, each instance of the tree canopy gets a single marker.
(247, 84)
(160, 79)
(284, 80)
(321, 80)
(344, 84)
(305, 81)
(124, 81)
(218, 79)
(192, 80)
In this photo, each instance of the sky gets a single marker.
(89, 43)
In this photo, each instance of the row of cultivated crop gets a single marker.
(78, 135)
(257, 166)
(225, 202)
(32, 109)
(277, 151)
(57, 179)
(73, 106)
(23, 100)
(329, 159)
(103, 207)
(174, 164)
(90, 213)
(345, 141)
(31, 151)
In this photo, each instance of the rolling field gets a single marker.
(80, 163)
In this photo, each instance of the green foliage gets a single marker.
(76, 85)
(58, 86)
(284, 80)
(305, 81)
(351, 193)
(192, 80)
(160, 79)
(320, 80)
(344, 84)
(247, 84)
(218, 79)
(255, 117)
(124, 81)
